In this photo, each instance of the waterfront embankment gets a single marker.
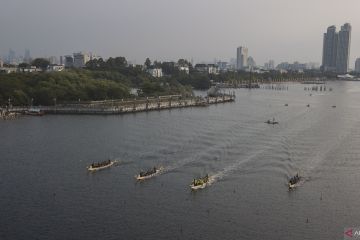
(122, 106)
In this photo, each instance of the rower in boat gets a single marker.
(200, 182)
(148, 174)
(272, 122)
(293, 181)
(100, 165)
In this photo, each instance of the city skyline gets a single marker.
(188, 32)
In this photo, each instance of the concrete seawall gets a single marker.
(108, 107)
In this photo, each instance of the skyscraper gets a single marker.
(11, 57)
(241, 58)
(27, 57)
(251, 62)
(357, 65)
(330, 49)
(336, 49)
(343, 50)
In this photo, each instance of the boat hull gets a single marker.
(197, 187)
(92, 169)
(148, 176)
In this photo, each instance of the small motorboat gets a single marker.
(149, 173)
(200, 183)
(308, 105)
(100, 165)
(334, 106)
(286, 104)
(294, 181)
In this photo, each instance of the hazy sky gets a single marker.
(283, 30)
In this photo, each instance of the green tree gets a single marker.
(24, 65)
(147, 63)
(41, 63)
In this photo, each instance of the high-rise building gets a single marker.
(343, 50)
(270, 65)
(241, 58)
(330, 49)
(80, 59)
(27, 57)
(69, 61)
(357, 65)
(53, 60)
(11, 57)
(336, 49)
(251, 62)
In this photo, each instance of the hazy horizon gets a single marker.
(202, 30)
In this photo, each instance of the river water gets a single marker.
(47, 193)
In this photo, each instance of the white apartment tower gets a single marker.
(241, 58)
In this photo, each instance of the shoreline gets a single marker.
(117, 107)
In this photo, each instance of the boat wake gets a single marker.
(234, 167)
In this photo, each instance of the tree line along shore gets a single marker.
(114, 79)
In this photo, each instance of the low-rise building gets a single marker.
(207, 68)
(184, 69)
(55, 68)
(30, 69)
(155, 72)
(213, 69)
(9, 70)
(202, 68)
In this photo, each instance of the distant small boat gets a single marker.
(34, 112)
(308, 105)
(334, 106)
(100, 165)
(149, 173)
(200, 183)
(286, 104)
(272, 122)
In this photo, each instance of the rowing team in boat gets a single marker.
(293, 181)
(272, 122)
(149, 173)
(100, 165)
(200, 182)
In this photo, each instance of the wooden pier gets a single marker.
(122, 106)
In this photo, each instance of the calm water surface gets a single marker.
(47, 193)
